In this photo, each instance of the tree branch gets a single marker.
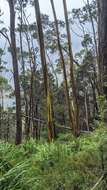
(6, 37)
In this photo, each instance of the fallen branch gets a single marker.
(98, 182)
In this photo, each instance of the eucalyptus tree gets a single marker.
(92, 10)
(102, 25)
(45, 72)
(72, 76)
(15, 72)
(70, 110)
(27, 56)
(85, 19)
(20, 9)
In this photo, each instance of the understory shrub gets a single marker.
(66, 164)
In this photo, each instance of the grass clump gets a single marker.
(67, 164)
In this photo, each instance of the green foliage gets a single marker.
(101, 100)
(67, 164)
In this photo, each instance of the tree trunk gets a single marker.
(15, 73)
(0, 121)
(45, 71)
(23, 64)
(99, 78)
(86, 111)
(63, 67)
(72, 77)
(102, 18)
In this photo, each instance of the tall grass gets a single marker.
(66, 164)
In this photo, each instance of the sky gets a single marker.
(44, 6)
(46, 9)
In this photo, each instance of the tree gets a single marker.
(45, 72)
(92, 18)
(70, 111)
(15, 73)
(102, 22)
(87, 69)
(72, 77)
(21, 5)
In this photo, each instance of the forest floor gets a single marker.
(66, 164)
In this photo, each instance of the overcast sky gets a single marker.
(45, 7)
